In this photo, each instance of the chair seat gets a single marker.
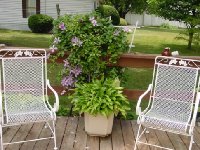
(30, 116)
(159, 120)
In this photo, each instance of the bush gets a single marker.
(107, 11)
(123, 22)
(40, 23)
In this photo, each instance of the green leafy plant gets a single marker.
(109, 11)
(40, 23)
(100, 97)
(123, 22)
(92, 43)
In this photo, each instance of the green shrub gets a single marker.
(167, 26)
(123, 22)
(40, 23)
(107, 11)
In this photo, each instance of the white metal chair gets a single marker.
(174, 98)
(23, 91)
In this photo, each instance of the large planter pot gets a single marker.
(98, 125)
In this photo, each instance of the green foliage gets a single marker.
(100, 97)
(167, 26)
(92, 42)
(124, 6)
(185, 11)
(40, 23)
(107, 11)
(123, 22)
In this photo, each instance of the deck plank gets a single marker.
(42, 145)
(20, 136)
(69, 135)
(105, 143)
(143, 138)
(128, 134)
(177, 141)
(117, 137)
(33, 134)
(81, 136)
(60, 130)
(92, 142)
(164, 139)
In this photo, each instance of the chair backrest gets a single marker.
(23, 79)
(175, 85)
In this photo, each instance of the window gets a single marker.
(30, 7)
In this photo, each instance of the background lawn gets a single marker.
(24, 39)
(151, 40)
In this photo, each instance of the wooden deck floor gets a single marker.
(71, 135)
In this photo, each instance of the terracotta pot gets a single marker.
(98, 125)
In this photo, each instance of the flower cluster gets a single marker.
(69, 79)
(93, 21)
(76, 41)
(88, 39)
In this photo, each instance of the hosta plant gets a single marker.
(102, 97)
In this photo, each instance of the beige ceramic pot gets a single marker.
(98, 125)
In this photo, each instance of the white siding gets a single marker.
(11, 11)
(11, 15)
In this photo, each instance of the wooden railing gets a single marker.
(132, 61)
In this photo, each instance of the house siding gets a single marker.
(11, 11)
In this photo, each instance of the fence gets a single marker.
(132, 61)
(150, 20)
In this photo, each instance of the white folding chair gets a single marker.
(23, 91)
(174, 98)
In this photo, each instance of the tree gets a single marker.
(186, 11)
(124, 6)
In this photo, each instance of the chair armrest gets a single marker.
(56, 104)
(138, 108)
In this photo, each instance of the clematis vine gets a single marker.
(93, 21)
(62, 26)
(56, 40)
(53, 48)
(76, 41)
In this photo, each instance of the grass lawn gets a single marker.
(24, 39)
(151, 40)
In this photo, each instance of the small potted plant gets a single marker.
(99, 100)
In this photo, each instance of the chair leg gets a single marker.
(54, 134)
(137, 137)
(1, 137)
(191, 142)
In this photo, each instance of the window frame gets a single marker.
(24, 8)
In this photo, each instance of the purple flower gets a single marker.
(56, 40)
(66, 63)
(67, 81)
(76, 41)
(53, 48)
(76, 71)
(62, 26)
(126, 29)
(116, 32)
(93, 21)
